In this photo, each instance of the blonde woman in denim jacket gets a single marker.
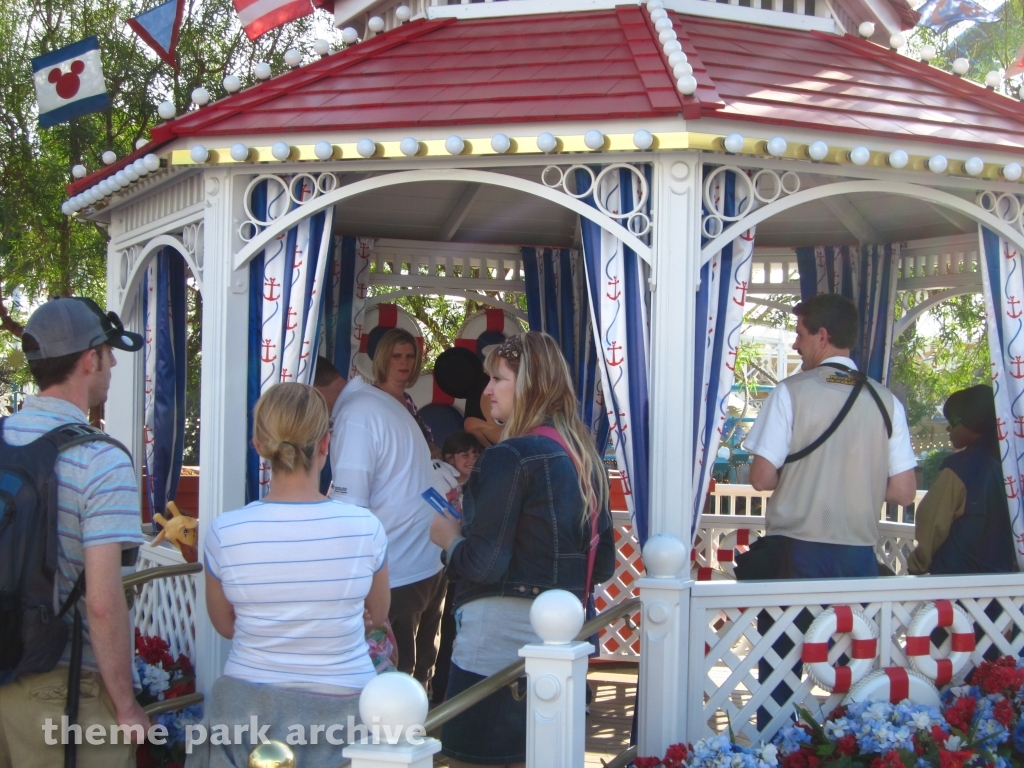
(526, 528)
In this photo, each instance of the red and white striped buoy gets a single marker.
(839, 620)
(941, 613)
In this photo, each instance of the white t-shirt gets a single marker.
(297, 575)
(772, 433)
(381, 461)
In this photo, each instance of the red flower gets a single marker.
(837, 713)
(184, 664)
(938, 735)
(890, 759)
(949, 759)
(153, 650)
(961, 713)
(180, 689)
(647, 762)
(675, 756)
(805, 758)
(1003, 713)
(847, 745)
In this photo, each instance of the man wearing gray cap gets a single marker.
(69, 344)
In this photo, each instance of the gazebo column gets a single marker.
(122, 415)
(223, 394)
(676, 246)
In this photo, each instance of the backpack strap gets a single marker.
(69, 435)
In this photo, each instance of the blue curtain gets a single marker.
(867, 276)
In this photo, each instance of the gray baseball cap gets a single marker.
(63, 326)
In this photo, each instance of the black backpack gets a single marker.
(32, 636)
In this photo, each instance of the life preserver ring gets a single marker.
(839, 620)
(490, 326)
(941, 613)
(727, 549)
(894, 684)
(376, 320)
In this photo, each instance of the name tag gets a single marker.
(841, 378)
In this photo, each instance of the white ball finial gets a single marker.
(993, 79)
(239, 152)
(292, 58)
(66, 208)
(409, 146)
(662, 24)
(375, 24)
(927, 53)
(140, 167)
(897, 41)
(1011, 171)
(349, 36)
(594, 139)
(122, 178)
(321, 47)
(501, 143)
(105, 187)
(366, 148)
(141, 142)
(866, 29)
(323, 150)
(403, 13)
(643, 139)
(658, 13)
(687, 85)
(231, 83)
(860, 155)
(898, 159)
(129, 171)
(395, 701)
(166, 110)
(108, 157)
(281, 150)
(557, 616)
(776, 146)
(152, 162)
(818, 150)
(199, 154)
(961, 66)
(681, 70)
(665, 556)
(667, 34)
(79, 171)
(733, 143)
(262, 71)
(547, 143)
(973, 166)
(676, 58)
(671, 47)
(454, 145)
(938, 163)
(200, 97)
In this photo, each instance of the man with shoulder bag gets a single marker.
(833, 446)
(69, 512)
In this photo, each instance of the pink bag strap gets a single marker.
(553, 434)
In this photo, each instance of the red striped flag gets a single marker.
(259, 16)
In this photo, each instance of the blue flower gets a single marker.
(1018, 736)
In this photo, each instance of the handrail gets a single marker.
(139, 578)
(623, 759)
(168, 705)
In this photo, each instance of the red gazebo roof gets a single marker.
(607, 64)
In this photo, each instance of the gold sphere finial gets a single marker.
(272, 754)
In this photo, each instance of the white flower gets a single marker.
(770, 754)
(921, 721)
(953, 743)
(156, 679)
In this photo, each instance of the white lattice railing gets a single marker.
(725, 646)
(464, 266)
(166, 608)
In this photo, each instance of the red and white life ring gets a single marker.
(894, 684)
(383, 316)
(732, 543)
(840, 620)
(490, 324)
(941, 613)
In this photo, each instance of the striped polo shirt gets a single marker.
(97, 497)
(297, 575)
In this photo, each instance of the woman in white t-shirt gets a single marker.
(288, 579)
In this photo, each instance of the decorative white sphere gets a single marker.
(395, 700)
(665, 556)
(122, 178)
(281, 150)
(667, 34)
(91, 195)
(262, 71)
(78, 171)
(323, 150)
(671, 47)
(231, 83)
(321, 46)
(547, 143)
(131, 173)
(81, 201)
(676, 58)
(594, 139)
(366, 148)
(643, 139)
(662, 24)
(141, 142)
(501, 143)
(776, 146)
(199, 154)
(292, 58)
(108, 157)
(927, 53)
(860, 155)
(152, 162)
(115, 185)
(961, 66)
(938, 164)
(409, 146)
(682, 70)
(557, 616)
(454, 145)
(375, 24)
(105, 188)
(659, 13)
(898, 159)
(403, 13)
(140, 167)
(897, 41)
(239, 152)
(1011, 171)
(200, 96)
(653, 5)
(866, 29)
(66, 208)
(818, 150)
(166, 110)
(733, 143)
(349, 36)
(973, 166)
(687, 85)
(993, 80)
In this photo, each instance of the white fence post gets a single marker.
(393, 707)
(664, 638)
(556, 674)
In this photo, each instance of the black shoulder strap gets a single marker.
(69, 435)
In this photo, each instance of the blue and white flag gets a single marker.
(159, 28)
(940, 15)
(69, 82)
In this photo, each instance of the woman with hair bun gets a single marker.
(535, 517)
(288, 579)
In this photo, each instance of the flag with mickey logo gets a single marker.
(69, 82)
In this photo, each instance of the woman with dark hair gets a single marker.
(535, 517)
(963, 524)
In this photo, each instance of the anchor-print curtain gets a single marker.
(348, 283)
(1003, 278)
(285, 298)
(618, 291)
(720, 304)
(164, 321)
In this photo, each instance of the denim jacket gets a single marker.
(525, 527)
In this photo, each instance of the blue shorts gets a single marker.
(492, 732)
